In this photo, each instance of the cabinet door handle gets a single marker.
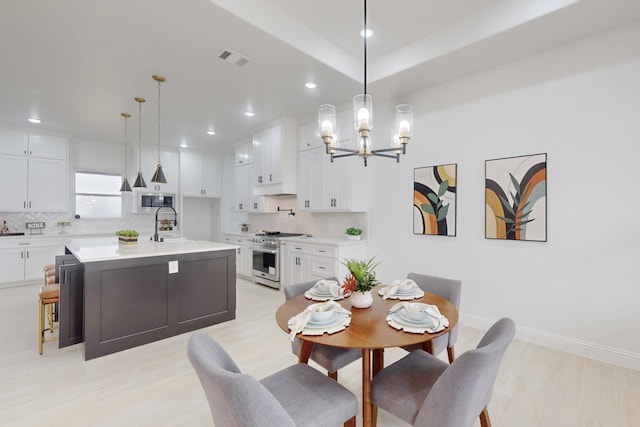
(320, 267)
(22, 255)
(29, 204)
(27, 254)
(270, 178)
(321, 251)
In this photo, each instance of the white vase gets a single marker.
(361, 299)
(351, 237)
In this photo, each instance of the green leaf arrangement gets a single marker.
(518, 210)
(363, 272)
(441, 210)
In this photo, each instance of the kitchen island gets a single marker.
(114, 297)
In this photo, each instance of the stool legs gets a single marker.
(45, 310)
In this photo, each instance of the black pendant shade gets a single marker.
(158, 176)
(139, 181)
(125, 185)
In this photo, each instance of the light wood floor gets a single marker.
(154, 385)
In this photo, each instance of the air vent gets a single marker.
(233, 58)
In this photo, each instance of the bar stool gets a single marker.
(49, 296)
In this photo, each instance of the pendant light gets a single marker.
(363, 118)
(139, 179)
(158, 176)
(125, 180)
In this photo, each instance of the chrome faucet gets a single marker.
(156, 237)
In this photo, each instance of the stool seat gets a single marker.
(50, 293)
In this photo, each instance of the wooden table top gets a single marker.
(368, 328)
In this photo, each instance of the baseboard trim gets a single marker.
(586, 349)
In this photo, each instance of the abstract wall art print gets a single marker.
(434, 200)
(516, 198)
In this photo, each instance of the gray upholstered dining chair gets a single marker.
(425, 391)
(330, 358)
(449, 289)
(295, 396)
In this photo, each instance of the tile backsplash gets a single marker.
(143, 223)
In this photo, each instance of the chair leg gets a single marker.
(40, 326)
(374, 415)
(451, 354)
(333, 375)
(485, 421)
(351, 422)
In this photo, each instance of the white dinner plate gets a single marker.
(400, 317)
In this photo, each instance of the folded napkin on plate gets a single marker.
(391, 289)
(328, 285)
(441, 321)
(302, 321)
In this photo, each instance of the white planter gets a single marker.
(361, 299)
(350, 237)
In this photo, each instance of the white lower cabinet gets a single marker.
(302, 261)
(23, 261)
(244, 255)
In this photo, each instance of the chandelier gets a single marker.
(363, 116)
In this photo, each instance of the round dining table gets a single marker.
(367, 331)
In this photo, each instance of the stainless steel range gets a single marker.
(266, 257)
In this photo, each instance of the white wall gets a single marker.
(580, 290)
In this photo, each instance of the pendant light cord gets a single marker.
(158, 121)
(365, 47)
(125, 144)
(139, 136)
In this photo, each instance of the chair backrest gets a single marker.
(446, 288)
(291, 291)
(464, 389)
(235, 399)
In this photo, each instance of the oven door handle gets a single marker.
(263, 250)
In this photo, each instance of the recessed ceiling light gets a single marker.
(249, 113)
(35, 120)
(211, 132)
(183, 145)
(369, 32)
(310, 85)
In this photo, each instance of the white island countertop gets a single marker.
(108, 248)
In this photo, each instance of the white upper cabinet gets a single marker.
(13, 142)
(36, 165)
(244, 154)
(309, 136)
(33, 145)
(274, 159)
(170, 167)
(310, 185)
(200, 176)
(243, 187)
(47, 146)
(330, 186)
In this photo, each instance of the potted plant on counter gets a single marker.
(353, 233)
(360, 281)
(244, 227)
(127, 237)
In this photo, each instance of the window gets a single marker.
(98, 195)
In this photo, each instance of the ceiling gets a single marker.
(78, 64)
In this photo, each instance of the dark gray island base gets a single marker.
(132, 301)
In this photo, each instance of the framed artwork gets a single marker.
(516, 198)
(434, 200)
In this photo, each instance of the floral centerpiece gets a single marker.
(127, 237)
(360, 281)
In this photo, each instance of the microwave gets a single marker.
(150, 202)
